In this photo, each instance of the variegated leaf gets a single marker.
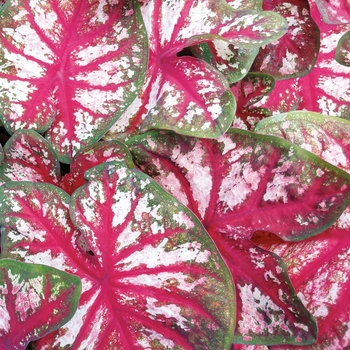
(319, 270)
(333, 11)
(342, 54)
(70, 68)
(327, 137)
(295, 53)
(241, 183)
(152, 277)
(98, 153)
(29, 157)
(34, 301)
(179, 89)
(326, 89)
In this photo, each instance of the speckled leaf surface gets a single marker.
(268, 309)
(248, 91)
(29, 294)
(70, 68)
(29, 157)
(242, 180)
(172, 27)
(152, 277)
(319, 270)
(239, 5)
(334, 12)
(98, 153)
(295, 53)
(342, 54)
(241, 183)
(325, 89)
(327, 137)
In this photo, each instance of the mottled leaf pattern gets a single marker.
(249, 91)
(319, 270)
(98, 153)
(175, 95)
(295, 53)
(152, 277)
(327, 137)
(241, 183)
(70, 68)
(333, 11)
(342, 54)
(29, 157)
(326, 89)
(29, 294)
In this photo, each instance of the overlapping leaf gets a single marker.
(295, 53)
(325, 89)
(29, 157)
(152, 277)
(70, 68)
(184, 93)
(241, 183)
(327, 137)
(342, 54)
(29, 294)
(249, 91)
(333, 11)
(319, 266)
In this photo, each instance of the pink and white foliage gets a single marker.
(29, 294)
(295, 53)
(342, 54)
(334, 11)
(151, 276)
(199, 103)
(326, 89)
(29, 157)
(241, 183)
(69, 68)
(320, 273)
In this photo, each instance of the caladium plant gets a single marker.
(195, 236)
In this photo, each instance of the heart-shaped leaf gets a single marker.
(70, 68)
(34, 300)
(152, 277)
(98, 153)
(326, 89)
(325, 136)
(251, 89)
(319, 270)
(184, 93)
(29, 157)
(295, 53)
(333, 11)
(241, 183)
(342, 54)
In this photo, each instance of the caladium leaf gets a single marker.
(70, 69)
(295, 53)
(29, 157)
(31, 294)
(327, 137)
(342, 54)
(244, 179)
(152, 277)
(269, 311)
(334, 12)
(325, 89)
(251, 89)
(239, 5)
(319, 270)
(241, 183)
(98, 153)
(172, 28)
(232, 61)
